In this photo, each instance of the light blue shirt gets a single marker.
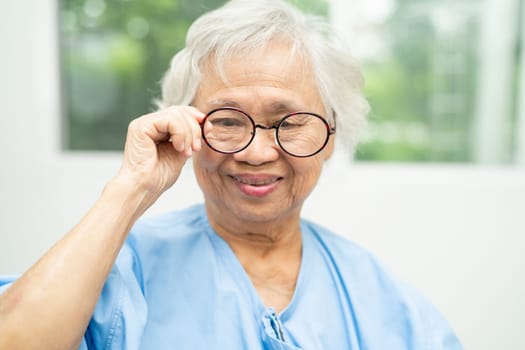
(177, 285)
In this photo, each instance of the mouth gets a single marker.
(259, 185)
(254, 180)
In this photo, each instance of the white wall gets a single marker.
(455, 232)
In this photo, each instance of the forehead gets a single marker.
(268, 75)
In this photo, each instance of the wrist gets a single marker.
(130, 194)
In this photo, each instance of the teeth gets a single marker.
(255, 182)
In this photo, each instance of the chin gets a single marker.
(261, 213)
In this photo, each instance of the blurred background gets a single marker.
(436, 189)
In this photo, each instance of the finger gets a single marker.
(193, 118)
(151, 125)
(188, 137)
(198, 115)
(177, 125)
(182, 135)
(196, 135)
(178, 138)
(197, 143)
(168, 125)
(189, 111)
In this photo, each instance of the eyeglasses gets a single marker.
(299, 134)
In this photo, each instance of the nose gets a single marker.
(262, 149)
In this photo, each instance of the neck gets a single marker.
(258, 239)
(270, 253)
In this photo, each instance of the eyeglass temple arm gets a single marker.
(333, 128)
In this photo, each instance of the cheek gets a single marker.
(205, 160)
(306, 173)
(206, 164)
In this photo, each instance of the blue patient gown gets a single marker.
(177, 285)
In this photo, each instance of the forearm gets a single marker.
(49, 307)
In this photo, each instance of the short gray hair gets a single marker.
(240, 26)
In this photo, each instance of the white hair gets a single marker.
(241, 26)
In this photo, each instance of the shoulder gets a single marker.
(167, 238)
(356, 266)
(168, 230)
(360, 270)
(174, 223)
(153, 244)
(377, 297)
(341, 250)
(153, 249)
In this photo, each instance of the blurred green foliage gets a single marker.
(114, 53)
(421, 87)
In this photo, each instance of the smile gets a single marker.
(257, 185)
(256, 180)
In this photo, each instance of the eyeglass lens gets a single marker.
(230, 131)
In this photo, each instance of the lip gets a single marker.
(256, 185)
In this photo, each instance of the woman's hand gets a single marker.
(157, 146)
(64, 295)
(62, 288)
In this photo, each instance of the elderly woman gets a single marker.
(256, 99)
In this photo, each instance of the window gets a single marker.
(441, 77)
(435, 95)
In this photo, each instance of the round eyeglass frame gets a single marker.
(329, 130)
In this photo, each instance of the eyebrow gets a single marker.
(285, 107)
(274, 107)
(223, 103)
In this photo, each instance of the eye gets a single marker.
(227, 122)
(288, 125)
(295, 121)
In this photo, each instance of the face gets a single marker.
(261, 184)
